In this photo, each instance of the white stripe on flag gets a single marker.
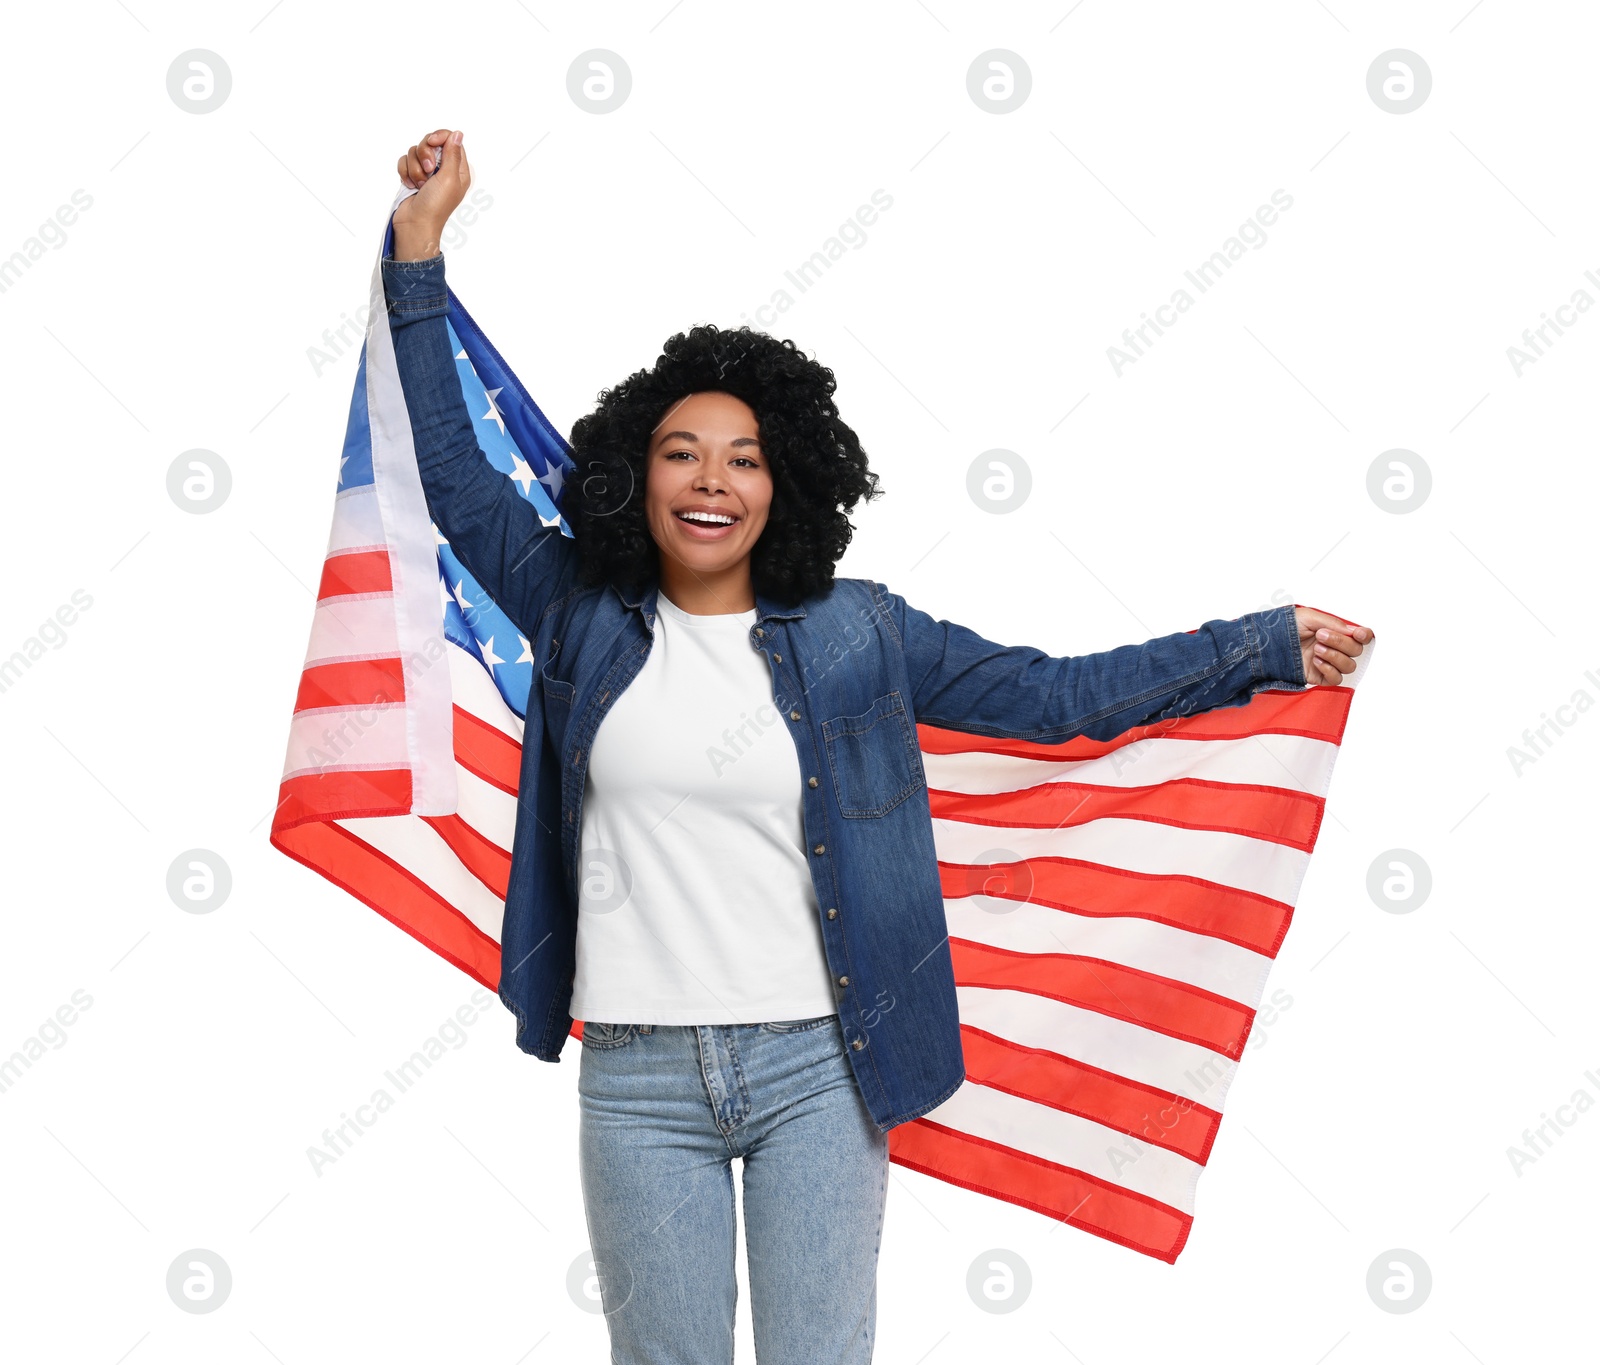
(337, 738)
(414, 567)
(352, 628)
(1072, 1141)
(1236, 860)
(356, 521)
(1290, 761)
(1172, 1065)
(486, 809)
(1213, 964)
(417, 847)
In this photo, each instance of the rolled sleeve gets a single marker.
(1278, 657)
(415, 289)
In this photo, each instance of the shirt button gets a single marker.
(759, 631)
(844, 980)
(820, 848)
(777, 658)
(857, 1045)
(811, 781)
(832, 913)
(794, 715)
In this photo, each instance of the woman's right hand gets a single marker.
(419, 221)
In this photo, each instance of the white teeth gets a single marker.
(710, 518)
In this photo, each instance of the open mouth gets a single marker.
(707, 525)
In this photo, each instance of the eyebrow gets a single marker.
(690, 436)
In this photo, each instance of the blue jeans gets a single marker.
(663, 1110)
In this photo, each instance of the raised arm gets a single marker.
(521, 563)
(960, 681)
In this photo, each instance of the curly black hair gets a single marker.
(819, 470)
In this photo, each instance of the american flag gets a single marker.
(1114, 908)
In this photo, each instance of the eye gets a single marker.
(737, 459)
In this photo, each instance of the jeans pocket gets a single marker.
(606, 1036)
(798, 1025)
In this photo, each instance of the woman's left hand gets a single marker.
(1328, 645)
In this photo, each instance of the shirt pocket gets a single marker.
(557, 707)
(873, 758)
(558, 696)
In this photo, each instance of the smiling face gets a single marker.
(708, 488)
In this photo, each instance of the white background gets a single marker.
(1222, 472)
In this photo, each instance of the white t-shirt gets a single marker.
(695, 901)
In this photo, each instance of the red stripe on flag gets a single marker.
(1154, 1002)
(485, 751)
(360, 571)
(1060, 1192)
(355, 682)
(1318, 713)
(1156, 1116)
(1244, 917)
(1274, 813)
(345, 795)
(395, 894)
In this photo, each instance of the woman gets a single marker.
(750, 926)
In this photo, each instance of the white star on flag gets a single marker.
(522, 475)
(493, 415)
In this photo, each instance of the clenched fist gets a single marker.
(1328, 645)
(420, 219)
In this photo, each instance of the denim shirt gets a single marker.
(853, 670)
